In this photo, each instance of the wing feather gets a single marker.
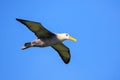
(37, 28)
(63, 51)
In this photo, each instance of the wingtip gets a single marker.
(18, 19)
(66, 62)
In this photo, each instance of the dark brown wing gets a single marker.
(37, 28)
(63, 51)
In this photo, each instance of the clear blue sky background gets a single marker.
(95, 23)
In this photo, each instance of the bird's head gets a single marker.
(66, 36)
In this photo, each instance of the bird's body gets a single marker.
(44, 42)
(47, 38)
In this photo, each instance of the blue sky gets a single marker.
(95, 23)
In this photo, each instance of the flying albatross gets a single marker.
(46, 38)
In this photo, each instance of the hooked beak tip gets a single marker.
(75, 40)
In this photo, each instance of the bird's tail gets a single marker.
(26, 45)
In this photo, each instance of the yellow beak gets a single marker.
(73, 39)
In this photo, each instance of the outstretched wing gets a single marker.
(37, 28)
(63, 51)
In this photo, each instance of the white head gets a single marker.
(65, 36)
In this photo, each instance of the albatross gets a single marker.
(47, 38)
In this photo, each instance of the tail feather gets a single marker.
(26, 45)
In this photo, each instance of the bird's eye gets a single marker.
(66, 34)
